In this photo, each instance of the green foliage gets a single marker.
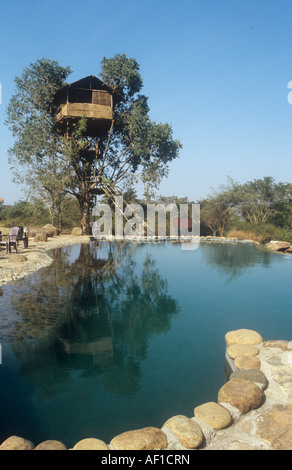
(70, 213)
(260, 200)
(144, 145)
(28, 112)
(261, 206)
(122, 74)
(35, 156)
(25, 213)
(51, 165)
(267, 232)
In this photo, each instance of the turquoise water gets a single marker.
(118, 336)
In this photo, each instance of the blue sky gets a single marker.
(217, 71)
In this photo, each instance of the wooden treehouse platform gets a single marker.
(89, 97)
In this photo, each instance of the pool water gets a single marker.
(115, 336)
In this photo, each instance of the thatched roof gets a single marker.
(91, 83)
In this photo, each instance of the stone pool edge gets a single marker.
(253, 410)
(30, 260)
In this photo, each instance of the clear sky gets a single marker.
(216, 70)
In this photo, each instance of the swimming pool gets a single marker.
(115, 336)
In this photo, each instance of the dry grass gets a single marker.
(247, 235)
(5, 230)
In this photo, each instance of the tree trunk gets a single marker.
(84, 210)
(59, 218)
(52, 210)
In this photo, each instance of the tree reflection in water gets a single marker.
(232, 259)
(94, 315)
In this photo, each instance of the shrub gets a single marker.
(263, 233)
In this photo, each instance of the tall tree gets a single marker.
(134, 144)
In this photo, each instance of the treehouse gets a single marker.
(88, 97)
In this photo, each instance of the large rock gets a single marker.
(91, 444)
(51, 445)
(16, 443)
(247, 362)
(41, 237)
(243, 336)
(188, 431)
(241, 394)
(277, 246)
(252, 375)
(149, 438)
(15, 258)
(50, 230)
(76, 232)
(236, 350)
(275, 427)
(213, 414)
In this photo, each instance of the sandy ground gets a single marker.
(36, 256)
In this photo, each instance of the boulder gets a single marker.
(188, 431)
(149, 438)
(50, 230)
(213, 414)
(236, 350)
(41, 237)
(51, 445)
(243, 336)
(91, 444)
(16, 443)
(76, 232)
(277, 246)
(241, 394)
(253, 375)
(15, 258)
(247, 362)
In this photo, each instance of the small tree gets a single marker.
(219, 208)
(262, 199)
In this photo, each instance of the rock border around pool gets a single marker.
(253, 410)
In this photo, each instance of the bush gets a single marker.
(263, 233)
(24, 213)
(247, 235)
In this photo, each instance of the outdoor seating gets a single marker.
(16, 234)
(23, 235)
